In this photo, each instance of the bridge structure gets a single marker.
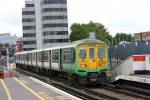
(130, 62)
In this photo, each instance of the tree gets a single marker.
(122, 37)
(81, 31)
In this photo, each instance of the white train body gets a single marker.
(136, 64)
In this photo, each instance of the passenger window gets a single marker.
(40, 56)
(67, 56)
(45, 56)
(55, 56)
(101, 52)
(92, 53)
(27, 57)
(33, 56)
(82, 53)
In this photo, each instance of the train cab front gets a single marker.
(93, 62)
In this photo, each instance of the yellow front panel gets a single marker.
(95, 56)
(90, 61)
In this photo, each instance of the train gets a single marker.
(83, 61)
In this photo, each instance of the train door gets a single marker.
(55, 59)
(50, 59)
(92, 59)
(61, 67)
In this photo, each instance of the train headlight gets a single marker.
(83, 65)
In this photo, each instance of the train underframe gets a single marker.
(93, 78)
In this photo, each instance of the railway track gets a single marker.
(102, 92)
(121, 92)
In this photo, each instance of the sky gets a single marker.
(129, 16)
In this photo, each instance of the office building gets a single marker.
(45, 23)
(7, 48)
(7, 38)
(142, 36)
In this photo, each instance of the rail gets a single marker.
(127, 90)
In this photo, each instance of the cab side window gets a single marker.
(101, 52)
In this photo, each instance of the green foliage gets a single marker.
(81, 31)
(122, 37)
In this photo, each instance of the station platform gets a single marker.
(29, 88)
(136, 78)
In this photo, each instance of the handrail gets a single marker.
(120, 63)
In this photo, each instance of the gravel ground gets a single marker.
(114, 94)
(18, 74)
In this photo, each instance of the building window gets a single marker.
(29, 5)
(55, 2)
(29, 42)
(28, 27)
(28, 49)
(55, 40)
(54, 9)
(55, 25)
(46, 33)
(28, 12)
(29, 34)
(54, 17)
(28, 20)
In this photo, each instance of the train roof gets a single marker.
(23, 52)
(84, 41)
(68, 45)
(73, 44)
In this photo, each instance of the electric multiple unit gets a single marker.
(83, 61)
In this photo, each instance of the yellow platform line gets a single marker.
(6, 89)
(29, 89)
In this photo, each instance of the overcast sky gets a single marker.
(117, 15)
